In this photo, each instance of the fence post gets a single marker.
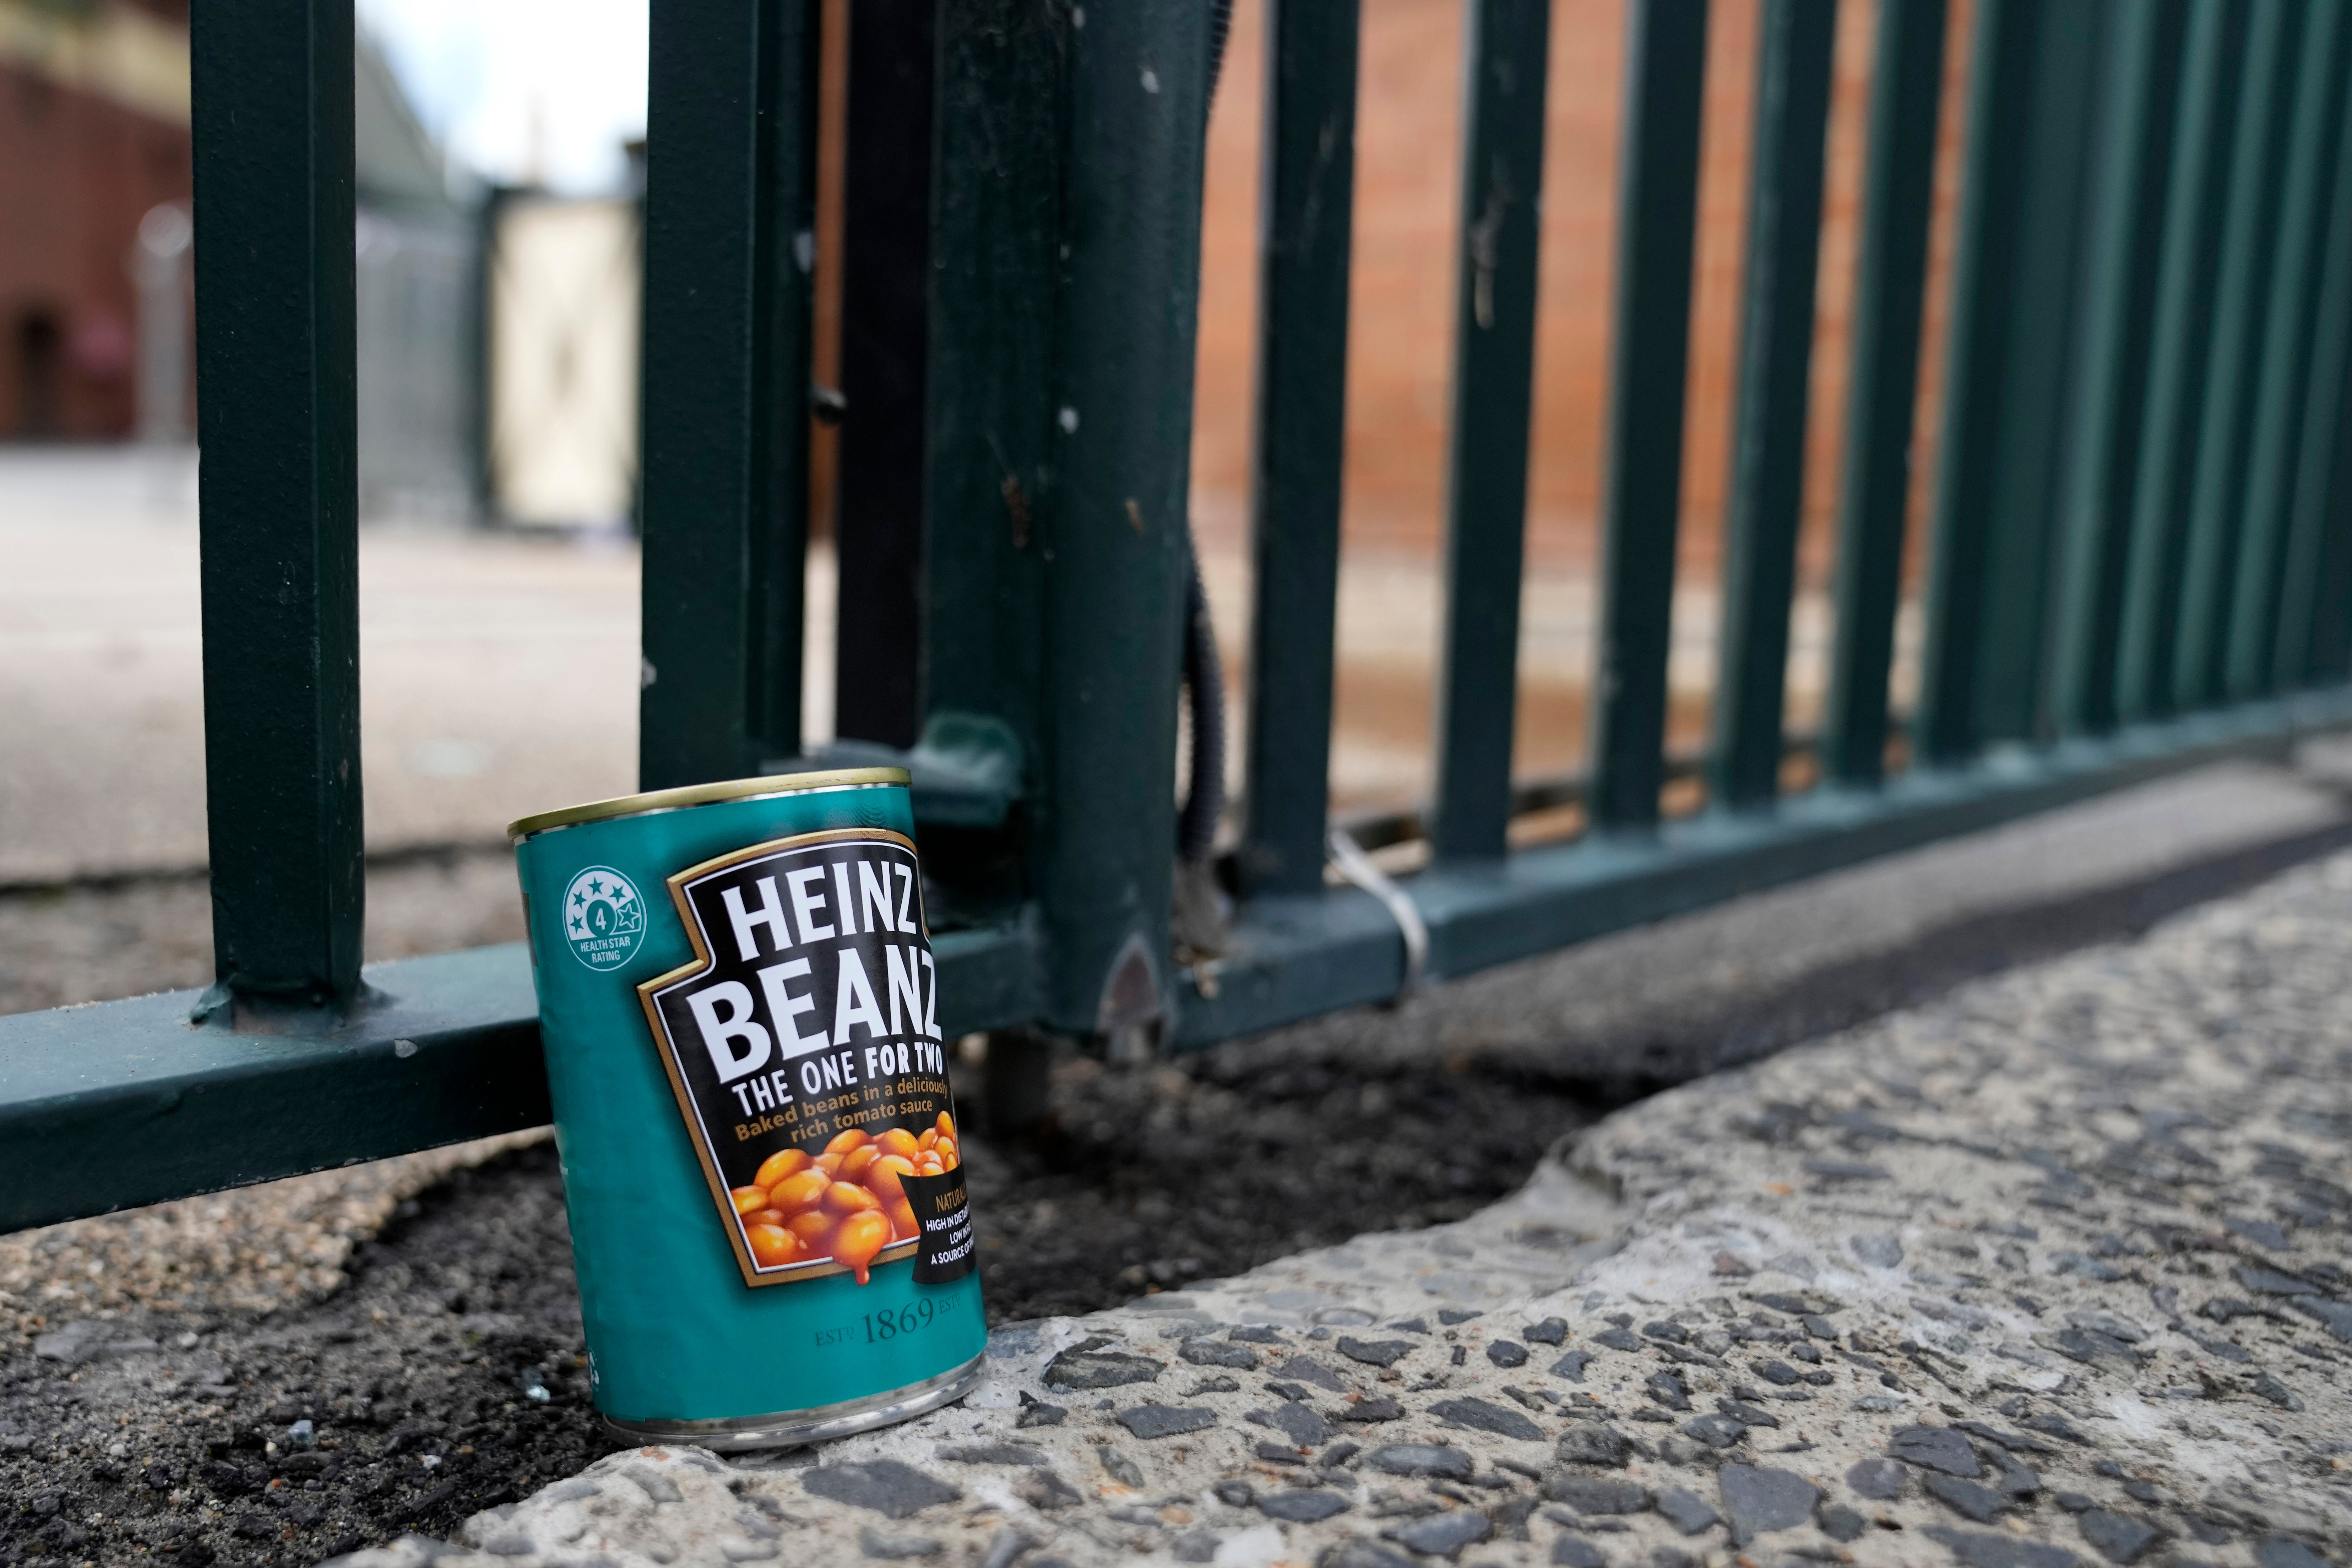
(2285, 385)
(885, 318)
(2331, 626)
(1889, 291)
(2322, 448)
(1776, 355)
(1658, 221)
(988, 436)
(2038, 369)
(279, 495)
(2180, 340)
(1984, 283)
(1115, 588)
(2250, 229)
(1306, 227)
(1486, 462)
(2123, 257)
(730, 180)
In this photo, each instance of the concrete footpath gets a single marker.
(499, 673)
(2052, 1271)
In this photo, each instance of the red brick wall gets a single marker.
(76, 173)
(1408, 174)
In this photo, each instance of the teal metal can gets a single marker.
(740, 1012)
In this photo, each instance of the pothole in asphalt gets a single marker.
(1150, 1180)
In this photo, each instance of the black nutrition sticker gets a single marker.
(944, 1211)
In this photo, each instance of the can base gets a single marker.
(793, 1428)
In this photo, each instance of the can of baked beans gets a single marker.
(740, 1012)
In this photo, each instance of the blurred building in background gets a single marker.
(564, 325)
(95, 253)
(93, 136)
(418, 249)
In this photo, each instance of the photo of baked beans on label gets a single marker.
(845, 1206)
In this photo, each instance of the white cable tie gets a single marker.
(1350, 859)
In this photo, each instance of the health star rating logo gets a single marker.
(603, 918)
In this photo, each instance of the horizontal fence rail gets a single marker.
(2134, 556)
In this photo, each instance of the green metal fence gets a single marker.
(2141, 539)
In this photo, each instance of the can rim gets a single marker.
(704, 795)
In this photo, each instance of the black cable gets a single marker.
(1204, 795)
(1205, 789)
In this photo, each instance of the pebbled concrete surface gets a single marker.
(2053, 1272)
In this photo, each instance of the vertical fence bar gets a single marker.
(1984, 275)
(885, 317)
(786, 280)
(2321, 449)
(1115, 589)
(731, 126)
(2196, 189)
(279, 495)
(2285, 380)
(1494, 371)
(1889, 294)
(1306, 225)
(1768, 478)
(995, 234)
(1649, 350)
(2122, 250)
(2330, 649)
(996, 184)
(2217, 497)
(2038, 370)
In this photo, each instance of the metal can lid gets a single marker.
(705, 795)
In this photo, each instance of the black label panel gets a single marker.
(803, 1045)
